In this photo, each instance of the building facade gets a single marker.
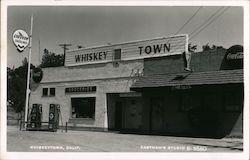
(142, 86)
(206, 102)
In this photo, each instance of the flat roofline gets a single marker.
(117, 44)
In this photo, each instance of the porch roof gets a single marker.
(192, 78)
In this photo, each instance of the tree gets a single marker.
(51, 59)
(207, 47)
(16, 85)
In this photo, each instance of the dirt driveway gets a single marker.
(89, 141)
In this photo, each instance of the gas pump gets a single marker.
(35, 117)
(54, 110)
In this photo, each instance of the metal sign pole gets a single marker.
(28, 74)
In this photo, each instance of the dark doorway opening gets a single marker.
(118, 115)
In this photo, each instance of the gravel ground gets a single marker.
(89, 141)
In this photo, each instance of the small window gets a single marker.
(49, 92)
(45, 91)
(52, 91)
(117, 54)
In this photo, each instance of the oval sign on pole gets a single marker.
(37, 75)
(20, 39)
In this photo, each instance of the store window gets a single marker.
(117, 54)
(83, 107)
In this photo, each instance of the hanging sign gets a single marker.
(37, 75)
(20, 39)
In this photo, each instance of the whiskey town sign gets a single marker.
(130, 50)
(154, 49)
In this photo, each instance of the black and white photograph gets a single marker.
(125, 81)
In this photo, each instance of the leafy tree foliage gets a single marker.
(51, 59)
(207, 47)
(16, 85)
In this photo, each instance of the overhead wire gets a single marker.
(194, 14)
(211, 19)
(194, 33)
(207, 20)
(189, 20)
(225, 9)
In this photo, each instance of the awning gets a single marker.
(192, 78)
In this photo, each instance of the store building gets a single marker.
(141, 86)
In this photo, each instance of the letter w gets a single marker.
(78, 58)
(157, 48)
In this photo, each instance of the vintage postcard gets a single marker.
(124, 80)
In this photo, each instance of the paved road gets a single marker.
(89, 141)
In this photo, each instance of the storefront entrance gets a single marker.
(203, 111)
(157, 114)
(124, 112)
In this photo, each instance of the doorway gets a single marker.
(157, 115)
(118, 115)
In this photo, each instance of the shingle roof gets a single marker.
(193, 78)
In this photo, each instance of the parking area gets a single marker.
(89, 141)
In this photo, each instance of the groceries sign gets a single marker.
(131, 50)
(20, 39)
(80, 89)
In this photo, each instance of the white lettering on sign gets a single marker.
(80, 89)
(20, 39)
(238, 55)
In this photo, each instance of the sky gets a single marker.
(99, 25)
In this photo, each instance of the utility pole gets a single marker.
(28, 76)
(64, 46)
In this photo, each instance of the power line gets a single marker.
(140, 65)
(188, 20)
(206, 21)
(204, 27)
(201, 27)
